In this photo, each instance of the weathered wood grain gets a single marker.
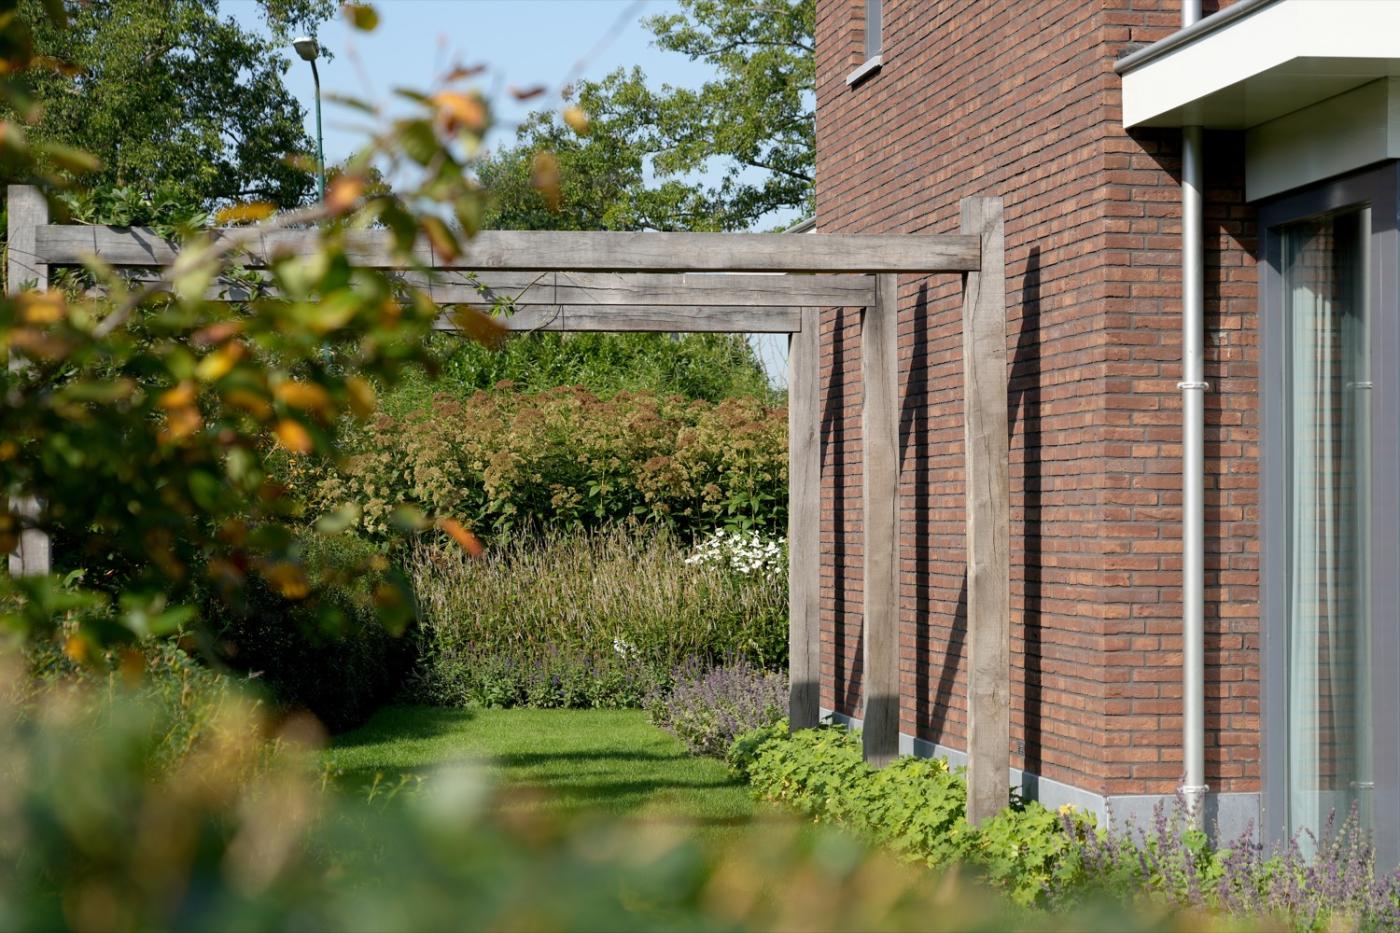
(675, 320)
(880, 467)
(804, 523)
(28, 212)
(988, 516)
(621, 289)
(593, 251)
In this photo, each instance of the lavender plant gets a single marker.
(708, 708)
(1322, 881)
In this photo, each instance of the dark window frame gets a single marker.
(1378, 188)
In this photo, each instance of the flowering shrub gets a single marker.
(708, 708)
(583, 618)
(916, 807)
(507, 461)
(742, 552)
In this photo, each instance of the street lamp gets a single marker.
(308, 49)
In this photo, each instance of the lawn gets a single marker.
(573, 762)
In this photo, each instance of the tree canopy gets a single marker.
(175, 99)
(723, 156)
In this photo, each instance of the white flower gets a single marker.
(622, 648)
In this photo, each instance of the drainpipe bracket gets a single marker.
(1203, 386)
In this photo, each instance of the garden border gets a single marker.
(604, 281)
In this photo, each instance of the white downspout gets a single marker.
(1193, 388)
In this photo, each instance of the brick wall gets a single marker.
(1018, 98)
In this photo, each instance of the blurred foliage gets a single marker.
(142, 421)
(99, 836)
(509, 462)
(1063, 860)
(590, 619)
(708, 367)
(329, 654)
(719, 157)
(174, 96)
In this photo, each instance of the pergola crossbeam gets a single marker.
(677, 282)
(681, 319)
(557, 251)
(610, 289)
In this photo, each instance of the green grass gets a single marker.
(572, 762)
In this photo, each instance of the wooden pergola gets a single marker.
(690, 282)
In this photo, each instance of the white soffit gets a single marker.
(1259, 60)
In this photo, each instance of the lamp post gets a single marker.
(308, 49)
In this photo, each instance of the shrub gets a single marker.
(916, 807)
(99, 838)
(183, 703)
(583, 618)
(328, 652)
(712, 367)
(708, 708)
(510, 462)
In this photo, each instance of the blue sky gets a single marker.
(522, 42)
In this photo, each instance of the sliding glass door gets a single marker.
(1331, 524)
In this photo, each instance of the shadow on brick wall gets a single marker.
(1024, 402)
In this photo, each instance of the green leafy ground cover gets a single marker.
(569, 762)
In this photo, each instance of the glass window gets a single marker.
(873, 28)
(1327, 448)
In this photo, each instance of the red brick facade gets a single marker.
(1018, 98)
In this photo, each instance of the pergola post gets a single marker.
(571, 282)
(27, 212)
(804, 522)
(988, 516)
(880, 466)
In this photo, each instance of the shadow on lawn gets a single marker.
(405, 722)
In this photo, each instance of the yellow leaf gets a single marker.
(362, 16)
(361, 395)
(464, 538)
(180, 396)
(577, 119)
(442, 239)
(180, 423)
(295, 438)
(482, 328)
(219, 363)
(133, 666)
(216, 333)
(460, 111)
(307, 396)
(251, 212)
(289, 579)
(249, 401)
(40, 307)
(343, 192)
(544, 177)
(76, 648)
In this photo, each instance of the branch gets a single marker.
(231, 241)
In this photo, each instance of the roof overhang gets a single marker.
(1257, 60)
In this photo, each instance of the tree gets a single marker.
(173, 98)
(150, 423)
(641, 161)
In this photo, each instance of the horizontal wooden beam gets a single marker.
(637, 289)
(672, 320)
(562, 251)
(651, 289)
